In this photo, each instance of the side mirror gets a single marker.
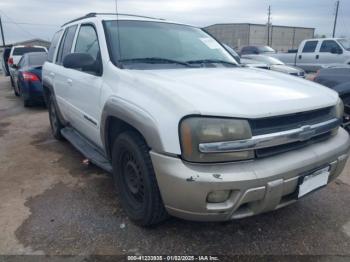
(78, 61)
(335, 50)
(84, 62)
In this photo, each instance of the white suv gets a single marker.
(183, 129)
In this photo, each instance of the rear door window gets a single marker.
(328, 45)
(66, 44)
(53, 46)
(310, 46)
(19, 51)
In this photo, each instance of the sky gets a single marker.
(27, 19)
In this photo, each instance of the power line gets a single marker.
(25, 23)
(18, 25)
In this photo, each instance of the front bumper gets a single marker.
(257, 186)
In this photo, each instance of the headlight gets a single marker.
(197, 130)
(339, 109)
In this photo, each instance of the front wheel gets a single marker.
(135, 180)
(56, 125)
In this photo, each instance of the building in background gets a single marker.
(35, 41)
(282, 38)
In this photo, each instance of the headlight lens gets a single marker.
(197, 130)
(339, 109)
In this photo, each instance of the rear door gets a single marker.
(61, 74)
(331, 53)
(84, 93)
(306, 57)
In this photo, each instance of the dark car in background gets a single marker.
(257, 50)
(27, 78)
(338, 79)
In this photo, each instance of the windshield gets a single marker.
(345, 43)
(266, 49)
(143, 45)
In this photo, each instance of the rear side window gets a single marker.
(37, 59)
(53, 46)
(23, 50)
(328, 45)
(310, 46)
(87, 41)
(66, 44)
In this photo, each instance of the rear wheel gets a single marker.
(135, 180)
(56, 125)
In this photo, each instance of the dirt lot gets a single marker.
(53, 204)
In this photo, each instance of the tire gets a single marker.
(55, 123)
(27, 102)
(135, 180)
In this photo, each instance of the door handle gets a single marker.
(52, 74)
(317, 56)
(69, 81)
(300, 56)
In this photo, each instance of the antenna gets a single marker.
(119, 48)
(268, 25)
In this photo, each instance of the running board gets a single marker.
(91, 152)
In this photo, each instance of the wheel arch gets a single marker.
(119, 116)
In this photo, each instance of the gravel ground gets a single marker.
(53, 204)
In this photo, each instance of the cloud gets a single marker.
(53, 13)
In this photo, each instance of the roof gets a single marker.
(249, 24)
(116, 16)
(328, 38)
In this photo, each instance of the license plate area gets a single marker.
(313, 181)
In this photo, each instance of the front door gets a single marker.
(85, 87)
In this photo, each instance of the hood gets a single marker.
(286, 69)
(236, 92)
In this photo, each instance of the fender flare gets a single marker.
(51, 91)
(134, 116)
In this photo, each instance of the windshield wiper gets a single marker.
(155, 60)
(211, 61)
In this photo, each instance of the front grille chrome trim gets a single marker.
(303, 133)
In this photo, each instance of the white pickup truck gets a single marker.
(314, 54)
(184, 129)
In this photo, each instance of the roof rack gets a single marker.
(96, 14)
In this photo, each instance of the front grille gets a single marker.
(270, 151)
(288, 122)
(292, 121)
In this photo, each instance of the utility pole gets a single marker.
(116, 6)
(336, 17)
(2, 33)
(268, 25)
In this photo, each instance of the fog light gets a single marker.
(218, 196)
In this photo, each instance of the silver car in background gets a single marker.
(276, 65)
